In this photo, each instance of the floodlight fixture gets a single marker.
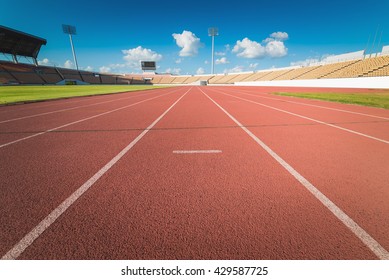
(213, 31)
(71, 30)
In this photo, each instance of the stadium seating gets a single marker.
(167, 79)
(180, 80)
(11, 73)
(325, 70)
(361, 68)
(91, 78)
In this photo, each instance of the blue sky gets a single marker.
(114, 35)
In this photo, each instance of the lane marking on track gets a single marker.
(79, 121)
(358, 231)
(73, 108)
(197, 152)
(30, 237)
(307, 118)
(311, 105)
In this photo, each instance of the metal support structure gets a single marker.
(213, 31)
(73, 51)
(71, 30)
(213, 54)
(15, 59)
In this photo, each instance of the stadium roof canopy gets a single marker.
(18, 43)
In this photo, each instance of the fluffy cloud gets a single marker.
(88, 68)
(200, 71)
(178, 61)
(222, 60)
(280, 36)
(273, 47)
(236, 69)
(68, 64)
(133, 57)
(44, 62)
(175, 71)
(253, 65)
(189, 43)
(276, 49)
(220, 53)
(306, 62)
(105, 69)
(249, 49)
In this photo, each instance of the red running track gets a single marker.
(194, 173)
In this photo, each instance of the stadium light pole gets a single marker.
(213, 31)
(71, 30)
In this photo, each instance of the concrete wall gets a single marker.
(368, 82)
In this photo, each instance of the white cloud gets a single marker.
(220, 53)
(273, 47)
(44, 62)
(253, 65)
(280, 36)
(222, 60)
(134, 56)
(175, 71)
(228, 47)
(88, 68)
(206, 62)
(200, 71)
(105, 69)
(306, 62)
(68, 64)
(178, 61)
(249, 49)
(189, 43)
(276, 49)
(236, 69)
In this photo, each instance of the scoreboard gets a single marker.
(148, 65)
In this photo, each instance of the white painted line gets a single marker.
(312, 105)
(307, 118)
(358, 231)
(73, 108)
(30, 237)
(197, 152)
(82, 120)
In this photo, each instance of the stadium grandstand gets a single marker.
(16, 43)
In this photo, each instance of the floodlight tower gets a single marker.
(71, 30)
(213, 31)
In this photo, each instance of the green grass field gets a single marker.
(377, 99)
(12, 94)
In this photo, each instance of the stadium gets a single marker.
(280, 163)
(352, 65)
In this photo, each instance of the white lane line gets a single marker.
(307, 118)
(73, 108)
(311, 105)
(30, 237)
(197, 152)
(358, 231)
(82, 120)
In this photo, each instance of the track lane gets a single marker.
(60, 110)
(37, 175)
(352, 171)
(239, 204)
(42, 124)
(22, 110)
(378, 130)
(265, 93)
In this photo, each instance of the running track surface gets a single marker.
(194, 173)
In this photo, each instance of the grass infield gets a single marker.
(14, 94)
(376, 99)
